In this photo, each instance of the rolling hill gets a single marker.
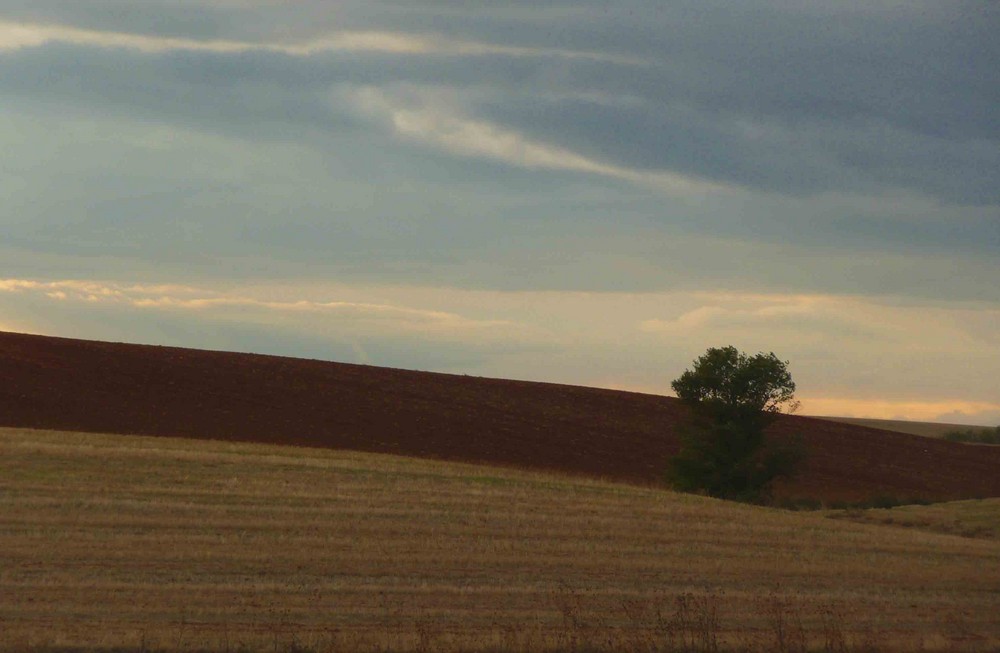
(77, 385)
(926, 429)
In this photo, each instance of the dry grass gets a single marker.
(179, 545)
(976, 518)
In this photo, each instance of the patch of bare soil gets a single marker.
(78, 385)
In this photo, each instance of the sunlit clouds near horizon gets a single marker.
(580, 192)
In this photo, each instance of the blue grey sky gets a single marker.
(587, 192)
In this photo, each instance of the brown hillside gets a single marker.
(64, 384)
(926, 429)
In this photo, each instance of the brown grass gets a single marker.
(172, 544)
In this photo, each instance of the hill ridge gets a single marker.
(84, 385)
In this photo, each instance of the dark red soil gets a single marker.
(77, 385)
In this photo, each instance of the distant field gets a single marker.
(927, 429)
(976, 518)
(159, 543)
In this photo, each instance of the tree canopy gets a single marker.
(733, 396)
(729, 383)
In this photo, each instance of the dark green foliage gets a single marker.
(976, 436)
(733, 397)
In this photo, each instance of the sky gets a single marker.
(586, 192)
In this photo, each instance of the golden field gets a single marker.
(168, 544)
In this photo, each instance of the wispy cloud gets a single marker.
(187, 298)
(432, 120)
(84, 290)
(828, 319)
(16, 36)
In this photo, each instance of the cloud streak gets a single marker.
(168, 297)
(433, 122)
(17, 36)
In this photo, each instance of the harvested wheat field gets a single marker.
(159, 543)
(79, 385)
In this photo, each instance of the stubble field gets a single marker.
(158, 543)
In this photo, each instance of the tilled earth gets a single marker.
(77, 385)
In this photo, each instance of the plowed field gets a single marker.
(76, 385)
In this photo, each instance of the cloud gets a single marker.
(799, 156)
(170, 297)
(777, 98)
(430, 120)
(835, 321)
(17, 36)
(782, 97)
(368, 325)
(800, 320)
(781, 147)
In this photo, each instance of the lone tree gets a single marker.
(733, 397)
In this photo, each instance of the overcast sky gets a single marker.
(587, 192)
